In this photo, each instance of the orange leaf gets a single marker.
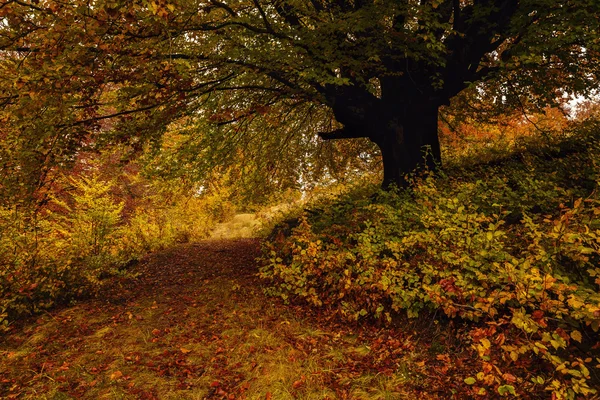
(184, 350)
(297, 384)
(116, 375)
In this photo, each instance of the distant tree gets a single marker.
(77, 73)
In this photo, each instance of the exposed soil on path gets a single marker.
(196, 325)
(183, 270)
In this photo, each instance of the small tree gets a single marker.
(88, 225)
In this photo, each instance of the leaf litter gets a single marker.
(196, 325)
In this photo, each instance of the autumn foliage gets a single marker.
(93, 227)
(511, 249)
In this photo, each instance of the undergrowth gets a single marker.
(510, 248)
(85, 234)
(197, 326)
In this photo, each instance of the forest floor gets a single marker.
(196, 325)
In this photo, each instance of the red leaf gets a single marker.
(537, 314)
(297, 384)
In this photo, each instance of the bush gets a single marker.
(163, 224)
(515, 252)
(70, 247)
(87, 227)
(52, 255)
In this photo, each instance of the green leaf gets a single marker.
(470, 380)
(507, 389)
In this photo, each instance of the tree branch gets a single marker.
(285, 11)
(209, 83)
(342, 133)
(456, 24)
(268, 26)
(225, 7)
(108, 116)
(317, 5)
(29, 5)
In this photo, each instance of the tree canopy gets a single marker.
(263, 77)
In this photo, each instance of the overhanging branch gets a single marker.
(342, 133)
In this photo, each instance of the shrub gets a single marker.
(164, 223)
(70, 247)
(88, 227)
(52, 255)
(515, 252)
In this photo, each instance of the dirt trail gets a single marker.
(196, 325)
(183, 269)
(240, 226)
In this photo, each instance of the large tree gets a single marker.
(87, 72)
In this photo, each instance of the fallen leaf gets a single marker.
(184, 350)
(116, 375)
(576, 335)
(297, 384)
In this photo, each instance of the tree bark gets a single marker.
(402, 122)
(408, 142)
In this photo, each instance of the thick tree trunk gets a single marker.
(408, 142)
(403, 125)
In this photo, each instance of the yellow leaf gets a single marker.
(514, 355)
(116, 375)
(576, 336)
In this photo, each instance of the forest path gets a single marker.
(196, 325)
(240, 226)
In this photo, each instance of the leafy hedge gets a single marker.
(511, 249)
